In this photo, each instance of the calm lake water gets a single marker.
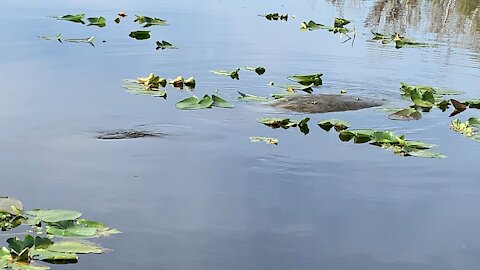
(205, 197)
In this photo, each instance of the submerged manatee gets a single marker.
(123, 134)
(323, 103)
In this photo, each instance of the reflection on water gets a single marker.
(449, 20)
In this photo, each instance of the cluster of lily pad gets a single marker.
(145, 21)
(154, 85)
(275, 17)
(399, 40)
(234, 73)
(469, 128)
(40, 241)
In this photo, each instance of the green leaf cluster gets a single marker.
(287, 123)
(207, 102)
(149, 21)
(275, 16)
(469, 128)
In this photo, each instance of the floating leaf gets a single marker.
(76, 247)
(80, 228)
(233, 74)
(219, 102)
(406, 114)
(177, 82)
(307, 79)
(97, 21)
(258, 70)
(190, 82)
(152, 81)
(339, 125)
(194, 103)
(303, 125)
(264, 139)
(275, 16)
(52, 215)
(286, 123)
(10, 205)
(311, 25)
(248, 98)
(149, 21)
(164, 45)
(88, 40)
(57, 37)
(470, 128)
(140, 35)
(76, 18)
(340, 22)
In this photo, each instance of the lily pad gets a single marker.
(220, 102)
(286, 123)
(275, 16)
(194, 103)
(307, 79)
(88, 40)
(406, 114)
(232, 74)
(52, 215)
(140, 35)
(10, 205)
(311, 25)
(258, 70)
(57, 37)
(339, 125)
(76, 18)
(97, 21)
(165, 45)
(149, 21)
(76, 247)
(469, 128)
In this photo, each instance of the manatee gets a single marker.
(323, 103)
(127, 134)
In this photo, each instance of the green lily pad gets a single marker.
(194, 103)
(88, 40)
(311, 25)
(165, 45)
(339, 125)
(307, 79)
(220, 102)
(258, 70)
(76, 247)
(57, 37)
(406, 114)
(97, 21)
(286, 123)
(232, 74)
(190, 82)
(140, 35)
(76, 18)
(275, 16)
(10, 205)
(52, 215)
(149, 21)
(340, 22)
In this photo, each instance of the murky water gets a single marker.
(204, 196)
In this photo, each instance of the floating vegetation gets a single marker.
(195, 103)
(339, 125)
(57, 37)
(149, 21)
(88, 40)
(461, 106)
(97, 21)
(120, 15)
(180, 82)
(251, 98)
(406, 114)
(469, 128)
(232, 74)
(295, 88)
(265, 140)
(399, 40)
(147, 86)
(307, 79)
(338, 26)
(275, 17)
(76, 18)
(388, 140)
(258, 70)
(140, 35)
(162, 45)
(286, 123)
(26, 253)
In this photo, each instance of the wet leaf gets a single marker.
(194, 103)
(219, 102)
(76, 247)
(10, 205)
(232, 74)
(311, 25)
(251, 98)
(286, 123)
(307, 79)
(258, 70)
(52, 215)
(165, 45)
(264, 139)
(190, 82)
(140, 35)
(340, 22)
(152, 81)
(303, 125)
(358, 135)
(177, 82)
(76, 18)
(97, 21)
(406, 114)
(149, 21)
(339, 125)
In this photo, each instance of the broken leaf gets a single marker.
(264, 139)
